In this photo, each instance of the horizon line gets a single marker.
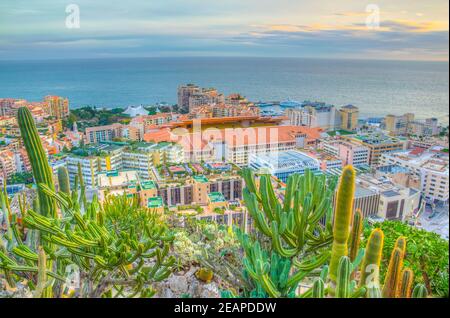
(222, 57)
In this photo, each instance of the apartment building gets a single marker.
(196, 190)
(407, 125)
(106, 158)
(431, 167)
(57, 106)
(7, 163)
(395, 202)
(206, 96)
(349, 117)
(398, 125)
(378, 144)
(184, 94)
(350, 153)
(315, 115)
(95, 135)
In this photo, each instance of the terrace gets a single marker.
(155, 203)
(216, 197)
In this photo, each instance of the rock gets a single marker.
(178, 284)
(210, 291)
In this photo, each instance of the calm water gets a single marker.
(377, 87)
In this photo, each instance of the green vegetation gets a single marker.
(340, 132)
(20, 178)
(295, 247)
(118, 248)
(91, 116)
(427, 254)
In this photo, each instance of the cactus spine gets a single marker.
(63, 180)
(341, 229)
(41, 169)
(405, 287)
(355, 235)
(393, 274)
(372, 259)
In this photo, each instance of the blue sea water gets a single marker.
(376, 87)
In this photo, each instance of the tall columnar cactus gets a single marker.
(401, 244)
(404, 289)
(318, 288)
(342, 219)
(39, 163)
(63, 180)
(41, 290)
(420, 291)
(393, 273)
(83, 200)
(343, 285)
(355, 235)
(370, 266)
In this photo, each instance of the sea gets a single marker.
(377, 87)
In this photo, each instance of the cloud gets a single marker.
(227, 27)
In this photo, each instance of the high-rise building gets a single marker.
(378, 144)
(57, 107)
(99, 134)
(349, 117)
(184, 94)
(315, 115)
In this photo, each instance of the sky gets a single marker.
(354, 29)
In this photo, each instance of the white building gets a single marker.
(430, 166)
(315, 115)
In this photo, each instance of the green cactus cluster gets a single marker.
(110, 244)
(299, 229)
(292, 243)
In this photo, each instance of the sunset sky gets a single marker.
(408, 30)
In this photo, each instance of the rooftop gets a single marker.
(216, 197)
(429, 160)
(285, 161)
(116, 178)
(148, 185)
(200, 178)
(155, 202)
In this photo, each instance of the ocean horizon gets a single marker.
(377, 87)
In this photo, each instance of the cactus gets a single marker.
(83, 201)
(401, 244)
(393, 274)
(318, 288)
(109, 245)
(205, 275)
(41, 169)
(343, 214)
(40, 290)
(372, 259)
(297, 237)
(63, 180)
(343, 285)
(420, 291)
(406, 282)
(355, 235)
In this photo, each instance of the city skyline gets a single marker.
(406, 30)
